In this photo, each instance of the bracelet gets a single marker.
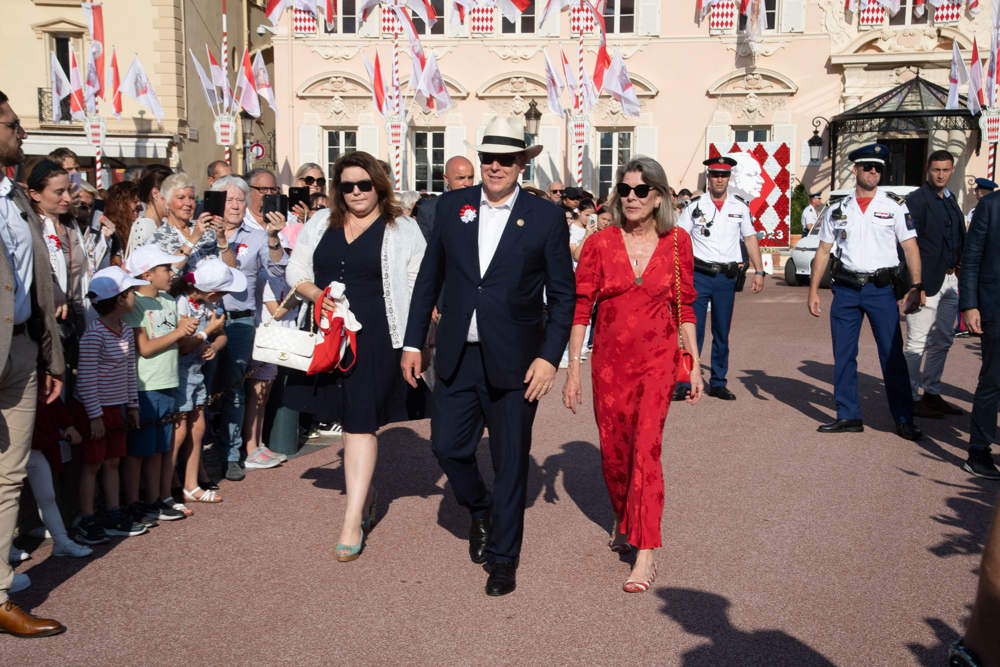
(188, 244)
(759, 273)
(275, 246)
(202, 335)
(917, 286)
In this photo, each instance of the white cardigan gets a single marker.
(402, 250)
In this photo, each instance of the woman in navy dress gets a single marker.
(363, 242)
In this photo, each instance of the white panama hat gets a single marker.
(505, 135)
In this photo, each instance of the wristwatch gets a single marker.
(917, 286)
(275, 246)
(759, 273)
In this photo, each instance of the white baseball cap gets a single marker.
(148, 257)
(111, 282)
(214, 275)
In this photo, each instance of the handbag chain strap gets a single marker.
(291, 293)
(677, 288)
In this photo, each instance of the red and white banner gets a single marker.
(274, 10)
(396, 129)
(247, 87)
(958, 75)
(723, 18)
(95, 23)
(263, 82)
(61, 88)
(619, 86)
(974, 101)
(95, 128)
(481, 20)
(578, 131)
(431, 89)
(206, 85)
(220, 80)
(553, 87)
(304, 22)
(512, 9)
(76, 102)
(771, 209)
(376, 81)
(116, 87)
(990, 125)
(137, 86)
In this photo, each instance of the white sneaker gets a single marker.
(260, 459)
(17, 555)
(20, 582)
(67, 547)
(335, 429)
(273, 454)
(40, 533)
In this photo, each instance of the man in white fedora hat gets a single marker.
(493, 251)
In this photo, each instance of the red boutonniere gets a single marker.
(53, 241)
(241, 249)
(467, 214)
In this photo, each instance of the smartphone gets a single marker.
(76, 178)
(98, 205)
(276, 204)
(215, 202)
(298, 196)
(592, 221)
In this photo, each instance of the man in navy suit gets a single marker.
(979, 301)
(495, 250)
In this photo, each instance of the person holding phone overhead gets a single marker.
(309, 180)
(256, 251)
(180, 235)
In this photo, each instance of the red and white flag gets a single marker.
(247, 87)
(973, 7)
(756, 24)
(425, 10)
(274, 10)
(460, 9)
(603, 59)
(511, 9)
(76, 103)
(416, 48)
(310, 7)
(554, 7)
(568, 72)
(95, 22)
(263, 82)
(553, 87)
(991, 73)
(364, 9)
(376, 81)
(60, 88)
(137, 86)
(220, 80)
(891, 6)
(958, 75)
(975, 102)
(704, 7)
(590, 93)
(116, 87)
(331, 10)
(91, 86)
(432, 89)
(206, 84)
(619, 86)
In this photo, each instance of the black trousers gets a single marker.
(984, 405)
(461, 407)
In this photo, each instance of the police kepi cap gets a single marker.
(870, 153)
(214, 275)
(720, 163)
(815, 194)
(111, 282)
(985, 184)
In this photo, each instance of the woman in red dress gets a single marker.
(631, 270)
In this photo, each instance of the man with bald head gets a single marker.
(458, 174)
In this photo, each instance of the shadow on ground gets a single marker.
(706, 615)
(580, 465)
(937, 653)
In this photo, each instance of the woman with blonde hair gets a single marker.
(640, 272)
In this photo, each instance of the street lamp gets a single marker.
(246, 123)
(816, 141)
(531, 118)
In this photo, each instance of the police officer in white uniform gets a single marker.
(862, 231)
(810, 214)
(716, 223)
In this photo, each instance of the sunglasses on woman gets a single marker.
(641, 190)
(347, 187)
(309, 180)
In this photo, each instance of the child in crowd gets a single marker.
(197, 295)
(106, 388)
(158, 330)
(275, 312)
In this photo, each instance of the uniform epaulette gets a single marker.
(898, 198)
(741, 199)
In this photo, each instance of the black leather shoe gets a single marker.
(722, 392)
(842, 426)
(680, 393)
(502, 579)
(479, 536)
(908, 431)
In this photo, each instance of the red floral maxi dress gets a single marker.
(635, 351)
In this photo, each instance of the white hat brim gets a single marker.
(500, 149)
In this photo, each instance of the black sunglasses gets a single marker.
(347, 187)
(872, 166)
(555, 192)
(641, 191)
(309, 180)
(505, 159)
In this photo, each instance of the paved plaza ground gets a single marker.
(782, 546)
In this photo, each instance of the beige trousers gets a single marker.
(18, 398)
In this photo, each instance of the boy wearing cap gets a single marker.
(157, 332)
(106, 388)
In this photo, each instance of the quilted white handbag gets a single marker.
(291, 348)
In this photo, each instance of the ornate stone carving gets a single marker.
(835, 23)
(336, 53)
(335, 85)
(337, 107)
(768, 47)
(608, 113)
(515, 53)
(751, 107)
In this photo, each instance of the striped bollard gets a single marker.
(97, 163)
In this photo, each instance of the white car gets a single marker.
(798, 267)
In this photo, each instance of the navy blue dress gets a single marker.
(372, 393)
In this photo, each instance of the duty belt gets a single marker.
(857, 279)
(728, 269)
(237, 314)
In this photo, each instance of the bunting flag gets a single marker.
(555, 6)
(116, 88)
(263, 82)
(425, 10)
(432, 89)
(974, 102)
(95, 23)
(206, 85)
(553, 87)
(958, 75)
(274, 10)
(91, 86)
(220, 80)
(60, 88)
(461, 8)
(137, 86)
(247, 86)
(511, 9)
(416, 48)
(76, 103)
(619, 86)
(376, 81)
(603, 59)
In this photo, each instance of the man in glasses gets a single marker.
(717, 222)
(31, 354)
(458, 173)
(862, 231)
(493, 251)
(940, 228)
(262, 182)
(555, 192)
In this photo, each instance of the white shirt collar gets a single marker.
(509, 204)
(6, 187)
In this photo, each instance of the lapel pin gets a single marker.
(520, 222)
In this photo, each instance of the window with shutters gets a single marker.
(438, 28)
(614, 152)
(428, 161)
(905, 14)
(524, 25)
(62, 44)
(339, 143)
(770, 13)
(753, 134)
(346, 20)
(619, 16)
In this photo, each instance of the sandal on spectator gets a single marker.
(209, 496)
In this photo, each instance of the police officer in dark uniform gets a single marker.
(862, 232)
(717, 222)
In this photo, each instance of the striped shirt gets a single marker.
(106, 370)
